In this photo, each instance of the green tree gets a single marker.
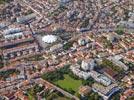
(52, 96)
(71, 91)
(94, 96)
(67, 46)
(53, 76)
(120, 30)
(89, 81)
(116, 97)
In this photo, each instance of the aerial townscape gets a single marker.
(66, 49)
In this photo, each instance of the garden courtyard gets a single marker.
(69, 83)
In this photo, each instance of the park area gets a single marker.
(66, 80)
(69, 83)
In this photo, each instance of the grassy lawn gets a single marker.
(69, 83)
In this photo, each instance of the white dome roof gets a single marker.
(49, 38)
